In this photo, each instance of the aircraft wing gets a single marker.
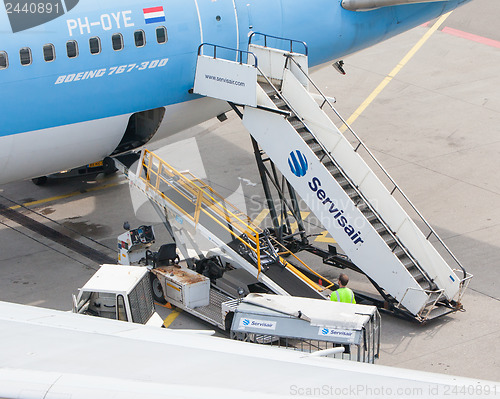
(365, 5)
(48, 354)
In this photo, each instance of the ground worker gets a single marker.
(343, 294)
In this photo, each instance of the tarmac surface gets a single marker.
(435, 126)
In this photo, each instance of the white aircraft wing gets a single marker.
(52, 354)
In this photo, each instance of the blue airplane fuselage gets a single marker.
(39, 99)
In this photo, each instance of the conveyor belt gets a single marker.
(291, 283)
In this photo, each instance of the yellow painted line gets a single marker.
(171, 317)
(394, 72)
(260, 217)
(64, 196)
(324, 237)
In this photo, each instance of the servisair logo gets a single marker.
(26, 14)
(257, 324)
(328, 205)
(298, 163)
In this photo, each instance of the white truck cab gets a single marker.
(120, 293)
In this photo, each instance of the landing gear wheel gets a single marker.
(108, 166)
(157, 290)
(40, 181)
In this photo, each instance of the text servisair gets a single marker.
(298, 165)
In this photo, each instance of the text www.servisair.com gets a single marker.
(225, 80)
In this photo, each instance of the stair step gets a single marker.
(315, 147)
(369, 215)
(280, 103)
(343, 181)
(379, 227)
(363, 207)
(334, 171)
(310, 141)
(432, 297)
(399, 252)
(439, 311)
(351, 192)
(267, 88)
(406, 261)
(389, 240)
(296, 123)
(415, 272)
(332, 168)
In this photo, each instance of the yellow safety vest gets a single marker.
(343, 295)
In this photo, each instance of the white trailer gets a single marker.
(341, 330)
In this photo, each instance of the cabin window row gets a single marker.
(72, 50)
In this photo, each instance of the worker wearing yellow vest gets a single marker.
(343, 294)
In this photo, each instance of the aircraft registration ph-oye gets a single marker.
(83, 80)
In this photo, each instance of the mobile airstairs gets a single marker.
(269, 88)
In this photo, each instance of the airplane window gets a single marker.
(140, 38)
(25, 55)
(95, 45)
(161, 35)
(117, 40)
(72, 48)
(49, 52)
(4, 60)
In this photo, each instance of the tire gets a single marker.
(157, 290)
(108, 166)
(228, 322)
(40, 181)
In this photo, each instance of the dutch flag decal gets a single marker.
(153, 15)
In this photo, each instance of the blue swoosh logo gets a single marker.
(298, 163)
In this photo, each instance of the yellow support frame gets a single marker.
(153, 171)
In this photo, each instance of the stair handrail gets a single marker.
(200, 195)
(464, 284)
(306, 52)
(396, 187)
(430, 305)
(288, 252)
(239, 52)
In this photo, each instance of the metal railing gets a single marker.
(464, 284)
(429, 306)
(155, 171)
(239, 53)
(206, 200)
(291, 41)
